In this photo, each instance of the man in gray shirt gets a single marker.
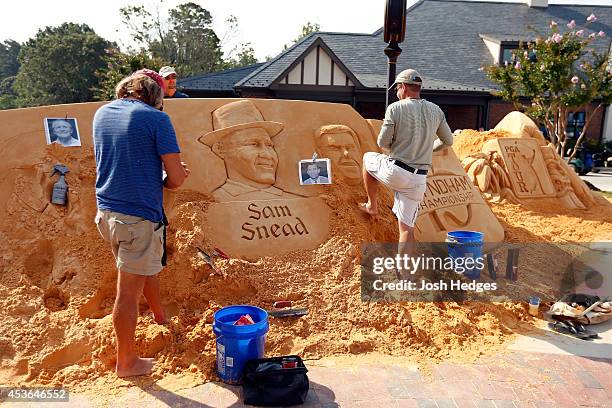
(412, 129)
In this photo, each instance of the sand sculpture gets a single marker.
(341, 145)
(58, 278)
(524, 167)
(451, 201)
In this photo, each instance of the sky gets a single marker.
(266, 24)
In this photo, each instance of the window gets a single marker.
(575, 124)
(506, 54)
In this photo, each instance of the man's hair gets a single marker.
(141, 87)
(331, 129)
(414, 87)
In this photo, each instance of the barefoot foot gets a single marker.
(141, 366)
(368, 209)
(160, 318)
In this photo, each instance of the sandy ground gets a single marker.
(57, 296)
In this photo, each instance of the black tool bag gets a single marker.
(266, 383)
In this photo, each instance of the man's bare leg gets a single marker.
(151, 293)
(125, 313)
(371, 187)
(406, 245)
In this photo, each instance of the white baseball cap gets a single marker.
(407, 76)
(167, 70)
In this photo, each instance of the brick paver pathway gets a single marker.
(511, 380)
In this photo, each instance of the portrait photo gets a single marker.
(63, 131)
(315, 171)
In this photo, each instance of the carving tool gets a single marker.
(219, 253)
(295, 312)
(208, 259)
(512, 264)
(492, 266)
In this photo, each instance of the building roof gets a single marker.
(444, 42)
(217, 81)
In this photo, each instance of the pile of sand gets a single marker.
(58, 287)
(470, 141)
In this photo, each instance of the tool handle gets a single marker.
(221, 253)
(282, 303)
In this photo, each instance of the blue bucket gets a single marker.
(466, 244)
(238, 344)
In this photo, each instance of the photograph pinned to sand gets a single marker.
(63, 131)
(317, 171)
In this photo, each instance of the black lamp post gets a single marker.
(395, 29)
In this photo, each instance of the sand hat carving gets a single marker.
(236, 116)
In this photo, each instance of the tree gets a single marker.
(185, 40)
(9, 64)
(59, 64)
(118, 66)
(244, 56)
(240, 55)
(307, 29)
(8, 98)
(557, 75)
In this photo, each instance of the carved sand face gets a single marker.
(340, 148)
(62, 130)
(250, 157)
(313, 171)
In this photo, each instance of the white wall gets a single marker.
(494, 49)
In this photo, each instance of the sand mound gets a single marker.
(58, 283)
(58, 330)
(470, 141)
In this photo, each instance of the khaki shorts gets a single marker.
(137, 243)
(408, 188)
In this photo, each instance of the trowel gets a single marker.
(60, 188)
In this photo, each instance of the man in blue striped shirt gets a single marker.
(133, 139)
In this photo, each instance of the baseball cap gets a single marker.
(167, 70)
(153, 75)
(408, 76)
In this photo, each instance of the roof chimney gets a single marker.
(537, 3)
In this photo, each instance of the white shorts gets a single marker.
(408, 187)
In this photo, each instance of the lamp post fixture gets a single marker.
(395, 29)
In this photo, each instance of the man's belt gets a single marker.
(409, 168)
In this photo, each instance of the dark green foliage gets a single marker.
(186, 40)
(9, 64)
(59, 65)
(118, 66)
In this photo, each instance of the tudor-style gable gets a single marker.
(317, 66)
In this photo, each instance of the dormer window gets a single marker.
(506, 52)
(502, 46)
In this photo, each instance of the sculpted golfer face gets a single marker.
(250, 157)
(62, 130)
(342, 151)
